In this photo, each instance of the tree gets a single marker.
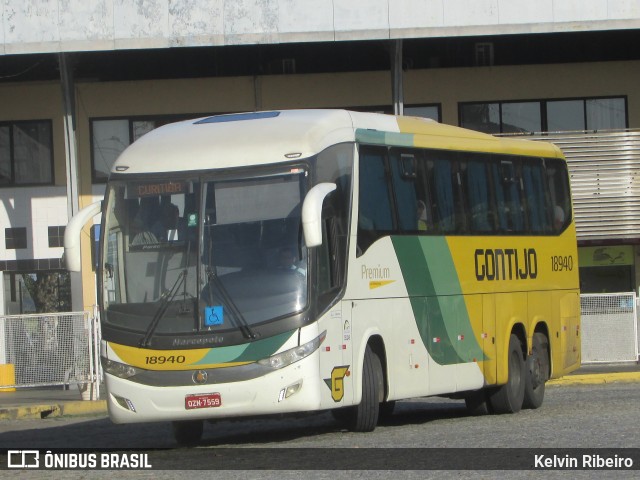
(50, 291)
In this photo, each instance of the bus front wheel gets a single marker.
(365, 415)
(188, 432)
(508, 398)
(537, 372)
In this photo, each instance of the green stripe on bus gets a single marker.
(436, 299)
(247, 352)
(376, 137)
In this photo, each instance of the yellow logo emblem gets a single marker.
(336, 382)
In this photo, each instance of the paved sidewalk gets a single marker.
(35, 403)
(47, 402)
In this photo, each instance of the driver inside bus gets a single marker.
(287, 260)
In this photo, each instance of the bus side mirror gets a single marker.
(72, 235)
(312, 213)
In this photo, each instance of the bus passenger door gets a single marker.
(335, 357)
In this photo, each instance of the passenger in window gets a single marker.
(421, 214)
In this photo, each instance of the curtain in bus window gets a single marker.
(515, 220)
(404, 187)
(499, 194)
(478, 196)
(375, 208)
(534, 193)
(559, 190)
(444, 195)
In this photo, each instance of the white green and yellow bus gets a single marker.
(289, 261)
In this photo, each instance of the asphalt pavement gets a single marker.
(47, 402)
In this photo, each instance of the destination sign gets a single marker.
(138, 190)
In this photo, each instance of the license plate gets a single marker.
(202, 400)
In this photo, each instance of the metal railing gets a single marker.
(64, 348)
(51, 349)
(609, 325)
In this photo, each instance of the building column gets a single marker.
(397, 77)
(65, 62)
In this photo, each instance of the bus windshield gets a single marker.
(193, 255)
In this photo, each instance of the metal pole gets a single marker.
(396, 76)
(73, 182)
(68, 108)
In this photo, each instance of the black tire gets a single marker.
(508, 398)
(537, 372)
(386, 410)
(365, 416)
(188, 432)
(477, 403)
(343, 415)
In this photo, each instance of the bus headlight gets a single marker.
(293, 355)
(118, 369)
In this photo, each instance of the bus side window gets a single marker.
(511, 207)
(560, 202)
(411, 209)
(477, 193)
(374, 217)
(443, 188)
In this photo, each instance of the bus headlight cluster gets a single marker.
(118, 369)
(293, 355)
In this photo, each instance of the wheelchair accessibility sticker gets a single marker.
(214, 315)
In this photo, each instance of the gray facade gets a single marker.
(37, 26)
(80, 79)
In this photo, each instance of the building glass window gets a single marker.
(15, 238)
(26, 153)
(483, 117)
(520, 117)
(37, 292)
(5, 155)
(110, 136)
(565, 115)
(606, 114)
(424, 111)
(109, 139)
(56, 236)
(606, 269)
(545, 115)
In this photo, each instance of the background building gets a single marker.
(82, 79)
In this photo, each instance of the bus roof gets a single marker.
(258, 138)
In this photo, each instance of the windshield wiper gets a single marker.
(166, 298)
(239, 320)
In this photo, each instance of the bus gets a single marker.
(297, 261)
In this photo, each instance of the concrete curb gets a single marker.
(54, 410)
(596, 378)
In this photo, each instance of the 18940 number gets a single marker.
(161, 359)
(561, 263)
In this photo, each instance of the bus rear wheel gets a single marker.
(188, 432)
(537, 372)
(365, 416)
(509, 397)
(477, 403)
